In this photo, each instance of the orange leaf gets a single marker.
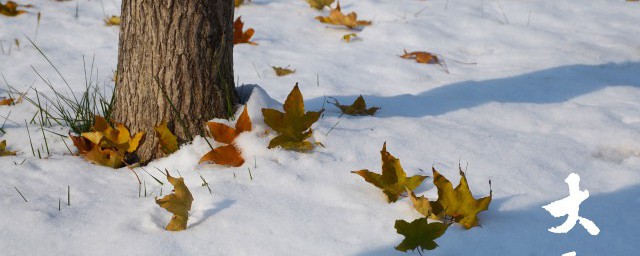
(421, 57)
(225, 155)
(83, 144)
(225, 134)
(11, 9)
(337, 18)
(240, 37)
(6, 102)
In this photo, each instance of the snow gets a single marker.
(554, 91)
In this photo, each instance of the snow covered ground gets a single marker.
(555, 90)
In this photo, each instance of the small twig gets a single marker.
(69, 195)
(250, 176)
(334, 126)
(25, 200)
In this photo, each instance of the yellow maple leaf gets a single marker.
(393, 180)
(280, 71)
(319, 4)
(112, 21)
(294, 125)
(4, 151)
(178, 203)
(459, 202)
(167, 140)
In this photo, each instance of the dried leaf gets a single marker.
(225, 134)
(282, 71)
(393, 180)
(424, 206)
(419, 234)
(337, 18)
(240, 37)
(320, 4)
(82, 144)
(3, 149)
(459, 202)
(105, 157)
(224, 155)
(294, 125)
(113, 21)
(178, 203)
(119, 138)
(421, 57)
(11, 9)
(348, 37)
(229, 154)
(6, 101)
(358, 108)
(237, 3)
(167, 140)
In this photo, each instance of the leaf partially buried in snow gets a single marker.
(105, 157)
(225, 134)
(459, 202)
(229, 154)
(239, 36)
(419, 234)
(113, 21)
(319, 4)
(294, 125)
(4, 151)
(11, 9)
(224, 155)
(282, 71)
(119, 138)
(167, 140)
(393, 180)
(337, 18)
(82, 144)
(358, 108)
(178, 203)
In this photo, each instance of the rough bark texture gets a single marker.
(181, 47)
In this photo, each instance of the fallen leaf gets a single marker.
(167, 140)
(225, 134)
(240, 37)
(178, 203)
(337, 18)
(393, 180)
(237, 3)
(358, 108)
(282, 71)
(11, 9)
(419, 234)
(113, 21)
(459, 202)
(224, 155)
(119, 138)
(320, 4)
(421, 57)
(294, 125)
(82, 144)
(105, 157)
(348, 37)
(3, 149)
(6, 101)
(424, 206)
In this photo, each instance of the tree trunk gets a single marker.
(176, 53)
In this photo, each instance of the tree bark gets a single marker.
(176, 53)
